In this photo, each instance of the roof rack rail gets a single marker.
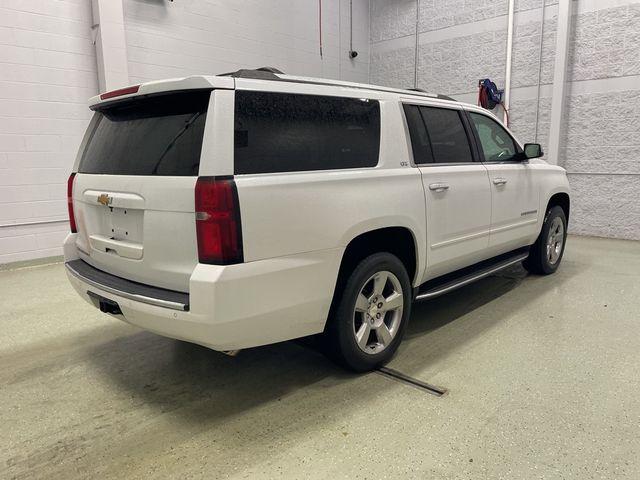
(271, 73)
(262, 73)
(440, 96)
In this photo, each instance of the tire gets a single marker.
(546, 254)
(370, 315)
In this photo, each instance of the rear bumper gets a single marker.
(227, 307)
(159, 297)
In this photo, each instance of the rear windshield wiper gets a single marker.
(193, 118)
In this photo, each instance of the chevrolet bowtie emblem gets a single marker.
(104, 199)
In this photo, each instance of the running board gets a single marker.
(446, 283)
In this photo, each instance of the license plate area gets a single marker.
(124, 224)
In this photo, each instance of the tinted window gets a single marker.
(496, 143)
(279, 132)
(418, 133)
(159, 135)
(449, 142)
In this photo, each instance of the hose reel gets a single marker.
(490, 96)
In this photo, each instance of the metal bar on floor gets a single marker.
(413, 382)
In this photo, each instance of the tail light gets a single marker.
(72, 216)
(218, 221)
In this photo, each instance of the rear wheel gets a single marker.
(546, 253)
(370, 314)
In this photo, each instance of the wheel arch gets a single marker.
(562, 200)
(397, 240)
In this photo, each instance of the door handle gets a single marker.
(439, 187)
(499, 181)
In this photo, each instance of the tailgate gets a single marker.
(133, 194)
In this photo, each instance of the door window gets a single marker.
(418, 133)
(449, 141)
(437, 135)
(495, 142)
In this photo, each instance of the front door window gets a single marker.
(496, 143)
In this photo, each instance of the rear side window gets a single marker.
(449, 141)
(157, 135)
(281, 132)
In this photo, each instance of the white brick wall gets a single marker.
(183, 38)
(464, 40)
(48, 71)
(602, 136)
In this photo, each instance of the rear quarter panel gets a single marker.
(286, 214)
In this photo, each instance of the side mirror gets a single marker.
(533, 150)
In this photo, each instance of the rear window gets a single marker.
(158, 135)
(281, 132)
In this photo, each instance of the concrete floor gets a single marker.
(542, 373)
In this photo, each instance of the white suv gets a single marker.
(250, 208)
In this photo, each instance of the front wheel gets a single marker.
(371, 313)
(546, 254)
